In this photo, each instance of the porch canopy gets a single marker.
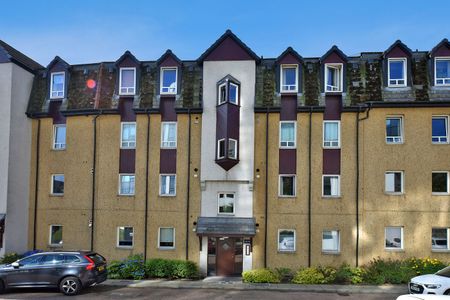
(226, 226)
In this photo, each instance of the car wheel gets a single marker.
(447, 292)
(70, 286)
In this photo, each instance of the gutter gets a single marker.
(94, 160)
(266, 192)
(36, 184)
(146, 188)
(188, 185)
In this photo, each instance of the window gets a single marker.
(439, 130)
(226, 203)
(394, 130)
(287, 186)
(288, 134)
(169, 135)
(31, 260)
(232, 148)
(286, 240)
(166, 238)
(52, 259)
(125, 236)
(439, 239)
(440, 183)
(228, 92)
(128, 135)
(393, 238)
(393, 182)
(168, 80)
(57, 83)
(396, 72)
(56, 235)
(442, 71)
(59, 137)
(167, 185)
(221, 149)
(331, 186)
(233, 93)
(333, 77)
(331, 134)
(289, 80)
(127, 81)
(330, 241)
(58, 184)
(126, 184)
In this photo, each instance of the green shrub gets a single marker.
(285, 274)
(184, 269)
(159, 268)
(114, 269)
(380, 271)
(425, 265)
(260, 276)
(10, 258)
(130, 268)
(346, 274)
(312, 275)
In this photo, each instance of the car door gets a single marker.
(26, 273)
(50, 269)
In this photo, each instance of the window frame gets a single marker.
(338, 250)
(339, 134)
(405, 72)
(402, 242)
(230, 83)
(448, 184)
(121, 135)
(173, 239)
(218, 203)
(236, 147)
(127, 93)
(167, 186)
(52, 184)
(446, 130)
(174, 145)
(278, 241)
(64, 85)
(161, 87)
(50, 236)
(220, 100)
(436, 59)
(120, 184)
(402, 191)
(340, 68)
(448, 241)
(280, 187)
(224, 150)
(339, 186)
(55, 128)
(288, 66)
(118, 237)
(402, 134)
(287, 142)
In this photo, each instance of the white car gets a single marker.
(436, 284)
(422, 297)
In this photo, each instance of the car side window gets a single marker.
(31, 261)
(52, 259)
(71, 259)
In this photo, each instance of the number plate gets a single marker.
(415, 288)
(101, 268)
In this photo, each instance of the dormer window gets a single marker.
(289, 78)
(397, 72)
(127, 81)
(442, 71)
(168, 81)
(228, 92)
(333, 78)
(57, 85)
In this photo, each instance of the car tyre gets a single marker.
(447, 292)
(70, 286)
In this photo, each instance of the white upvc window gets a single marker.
(168, 185)
(59, 137)
(393, 182)
(57, 187)
(232, 148)
(56, 235)
(225, 203)
(331, 186)
(233, 93)
(57, 85)
(442, 71)
(127, 81)
(439, 130)
(166, 238)
(394, 130)
(126, 184)
(440, 182)
(333, 78)
(439, 239)
(397, 72)
(221, 149)
(125, 236)
(393, 236)
(286, 240)
(128, 135)
(169, 80)
(168, 134)
(287, 186)
(223, 93)
(289, 78)
(331, 241)
(288, 134)
(331, 134)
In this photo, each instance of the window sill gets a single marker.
(440, 194)
(55, 246)
(225, 215)
(336, 147)
(127, 95)
(440, 143)
(56, 98)
(333, 92)
(56, 195)
(287, 197)
(440, 250)
(394, 143)
(127, 148)
(167, 196)
(331, 197)
(59, 149)
(167, 94)
(394, 194)
(168, 147)
(285, 147)
(331, 252)
(166, 249)
(126, 195)
(291, 92)
(124, 247)
(286, 251)
(394, 250)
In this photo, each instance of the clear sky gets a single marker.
(90, 31)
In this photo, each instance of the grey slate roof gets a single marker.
(8, 53)
(226, 226)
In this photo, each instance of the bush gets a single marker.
(346, 275)
(285, 274)
(184, 269)
(10, 258)
(114, 268)
(159, 268)
(130, 268)
(315, 275)
(380, 271)
(425, 265)
(260, 276)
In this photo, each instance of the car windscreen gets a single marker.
(97, 258)
(444, 272)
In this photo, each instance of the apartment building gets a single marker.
(239, 162)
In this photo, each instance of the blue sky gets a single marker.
(91, 31)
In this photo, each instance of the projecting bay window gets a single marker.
(442, 71)
(287, 186)
(128, 135)
(59, 137)
(394, 182)
(127, 81)
(289, 78)
(333, 78)
(167, 185)
(125, 237)
(393, 238)
(440, 183)
(55, 238)
(57, 84)
(331, 134)
(288, 133)
(168, 134)
(394, 130)
(439, 130)
(169, 81)
(225, 204)
(166, 238)
(228, 92)
(439, 239)
(397, 72)
(126, 184)
(330, 241)
(331, 186)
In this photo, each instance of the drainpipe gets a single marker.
(146, 187)
(93, 180)
(188, 185)
(266, 193)
(309, 186)
(36, 184)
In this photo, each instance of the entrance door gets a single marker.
(225, 257)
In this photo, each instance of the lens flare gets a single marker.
(91, 83)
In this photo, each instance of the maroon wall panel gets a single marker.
(331, 161)
(167, 108)
(127, 62)
(397, 52)
(169, 62)
(126, 110)
(55, 113)
(289, 59)
(127, 161)
(168, 161)
(333, 58)
(333, 107)
(288, 161)
(221, 121)
(288, 108)
(228, 50)
(442, 51)
(58, 67)
(233, 121)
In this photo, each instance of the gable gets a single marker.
(228, 49)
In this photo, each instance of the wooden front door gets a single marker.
(225, 257)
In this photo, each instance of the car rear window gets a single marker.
(71, 259)
(97, 258)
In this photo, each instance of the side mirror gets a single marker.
(15, 264)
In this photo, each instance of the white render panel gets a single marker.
(203, 261)
(243, 199)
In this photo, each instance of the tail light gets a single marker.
(91, 264)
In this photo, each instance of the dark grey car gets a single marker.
(68, 271)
